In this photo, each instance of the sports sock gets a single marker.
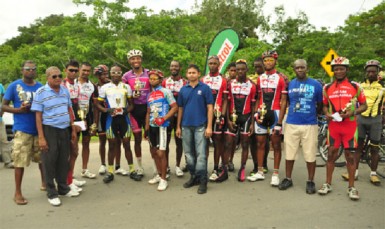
(372, 173)
(111, 168)
(131, 168)
(139, 160)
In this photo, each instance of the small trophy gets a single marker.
(217, 114)
(22, 95)
(263, 111)
(349, 105)
(82, 112)
(234, 117)
(137, 87)
(118, 109)
(155, 112)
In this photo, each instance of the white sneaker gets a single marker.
(162, 185)
(353, 193)
(155, 179)
(87, 174)
(102, 170)
(178, 172)
(140, 171)
(54, 201)
(79, 183)
(274, 180)
(121, 172)
(213, 176)
(72, 193)
(325, 189)
(75, 188)
(256, 176)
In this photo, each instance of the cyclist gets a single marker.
(232, 75)
(370, 121)
(138, 80)
(240, 114)
(161, 108)
(339, 108)
(270, 110)
(218, 85)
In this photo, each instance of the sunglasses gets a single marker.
(73, 70)
(268, 60)
(56, 76)
(29, 68)
(116, 73)
(241, 61)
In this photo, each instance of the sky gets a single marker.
(321, 13)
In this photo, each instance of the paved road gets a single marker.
(129, 204)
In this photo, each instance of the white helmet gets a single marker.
(134, 52)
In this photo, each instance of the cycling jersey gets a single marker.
(87, 92)
(159, 102)
(73, 89)
(270, 86)
(174, 85)
(241, 96)
(218, 86)
(115, 95)
(142, 81)
(374, 93)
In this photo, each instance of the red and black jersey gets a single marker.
(270, 86)
(218, 86)
(174, 85)
(241, 96)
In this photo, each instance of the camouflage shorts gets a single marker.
(25, 148)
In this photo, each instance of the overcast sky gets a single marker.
(321, 13)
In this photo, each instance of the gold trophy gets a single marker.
(217, 114)
(22, 95)
(82, 112)
(137, 87)
(263, 112)
(118, 109)
(349, 104)
(234, 117)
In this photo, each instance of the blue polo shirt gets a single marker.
(194, 101)
(53, 105)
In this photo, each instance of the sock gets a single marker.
(139, 160)
(275, 173)
(260, 169)
(131, 168)
(372, 173)
(356, 173)
(111, 168)
(117, 167)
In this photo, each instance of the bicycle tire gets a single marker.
(323, 151)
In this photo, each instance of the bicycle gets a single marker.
(323, 148)
(366, 156)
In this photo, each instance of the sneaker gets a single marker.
(75, 188)
(353, 193)
(162, 185)
(9, 165)
(178, 172)
(54, 201)
(135, 176)
(108, 178)
(256, 176)
(87, 174)
(345, 176)
(325, 189)
(265, 170)
(222, 176)
(191, 182)
(285, 184)
(252, 172)
(121, 172)
(375, 180)
(79, 183)
(241, 175)
(310, 187)
(102, 170)
(231, 166)
(156, 179)
(274, 180)
(168, 173)
(72, 193)
(213, 176)
(140, 171)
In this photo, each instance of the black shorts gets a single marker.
(243, 125)
(138, 117)
(159, 137)
(102, 122)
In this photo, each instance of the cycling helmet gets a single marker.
(134, 52)
(270, 53)
(375, 63)
(156, 72)
(100, 69)
(340, 61)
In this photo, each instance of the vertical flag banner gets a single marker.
(224, 45)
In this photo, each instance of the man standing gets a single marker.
(370, 121)
(301, 129)
(54, 116)
(340, 99)
(118, 97)
(270, 110)
(218, 86)
(195, 117)
(25, 144)
(161, 108)
(5, 152)
(138, 80)
(174, 83)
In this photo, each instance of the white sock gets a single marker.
(356, 173)
(373, 173)
(139, 160)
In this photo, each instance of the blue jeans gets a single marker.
(194, 146)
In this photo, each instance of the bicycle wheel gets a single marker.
(323, 151)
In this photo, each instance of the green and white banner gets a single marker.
(224, 45)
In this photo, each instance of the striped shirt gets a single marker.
(53, 105)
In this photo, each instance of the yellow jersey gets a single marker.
(374, 93)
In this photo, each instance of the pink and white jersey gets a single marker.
(73, 89)
(144, 84)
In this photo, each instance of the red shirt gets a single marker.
(218, 86)
(241, 96)
(270, 87)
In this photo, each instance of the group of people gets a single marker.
(49, 119)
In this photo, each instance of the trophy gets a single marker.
(22, 95)
(155, 112)
(234, 117)
(263, 112)
(217, 114)
(82, 112)
(137, 87)
(118, 109)
(349, 105)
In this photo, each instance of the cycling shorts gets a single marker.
(242, 124)
(159, 137)
(269, 121)
(118, 126)
(344, 133)
(138, 117)
(371, 126)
